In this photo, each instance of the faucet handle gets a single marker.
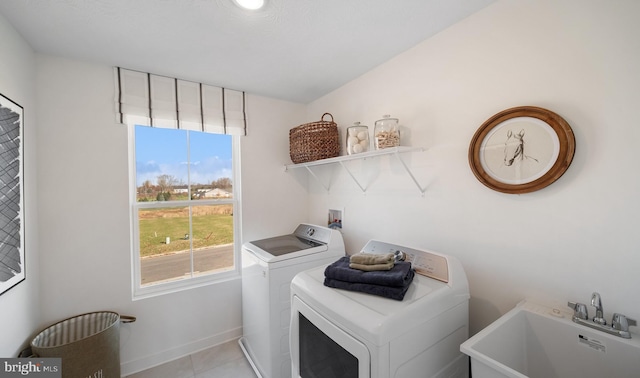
(579, 310)
(621, 323)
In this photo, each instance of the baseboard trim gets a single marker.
(135, 366)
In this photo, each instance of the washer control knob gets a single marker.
(311, 231)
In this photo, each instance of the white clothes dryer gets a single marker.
(339, 333)
(268, 266)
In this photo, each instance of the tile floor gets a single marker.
(222, 361)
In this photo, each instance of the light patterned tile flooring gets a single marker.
(222, 361)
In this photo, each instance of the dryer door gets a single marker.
(321, 349)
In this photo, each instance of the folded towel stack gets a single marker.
(392, 283)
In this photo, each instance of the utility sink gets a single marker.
(536, 341)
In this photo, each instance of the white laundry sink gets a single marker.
(542, 342)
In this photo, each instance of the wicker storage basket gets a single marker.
(314, 141)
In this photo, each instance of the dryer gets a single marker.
(268, 266)
(339, 333)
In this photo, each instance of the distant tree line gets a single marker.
(166, 186)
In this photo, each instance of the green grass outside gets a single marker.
(156, 225)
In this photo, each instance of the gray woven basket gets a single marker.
(88, 344)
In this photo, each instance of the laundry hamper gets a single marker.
(88, 344)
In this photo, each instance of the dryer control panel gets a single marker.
(312, 232)
(427, 263)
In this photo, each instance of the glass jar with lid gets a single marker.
(386, 133)
(357, 139)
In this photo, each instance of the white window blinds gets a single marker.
(159, 101)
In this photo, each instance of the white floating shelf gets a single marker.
(361, 156)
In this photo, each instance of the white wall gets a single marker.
(84, 214)
(273, 201)
(577, 58)
(20, 307)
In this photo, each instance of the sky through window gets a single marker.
(165, 152)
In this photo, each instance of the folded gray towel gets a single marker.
(390, 292)
(372, 258)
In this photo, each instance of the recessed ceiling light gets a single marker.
(250, 4)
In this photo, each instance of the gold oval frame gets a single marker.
(565, 144)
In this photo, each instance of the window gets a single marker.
(184, 209)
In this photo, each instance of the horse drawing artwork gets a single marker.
(514, 149)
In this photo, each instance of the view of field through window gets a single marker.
(184, 203)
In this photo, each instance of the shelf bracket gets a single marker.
(406, 168)
(353, 177)
(326, 187)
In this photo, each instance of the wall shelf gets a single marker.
(396, 151)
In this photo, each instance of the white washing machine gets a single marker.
(268, 266)
(339, 333)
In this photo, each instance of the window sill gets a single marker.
(159, 289)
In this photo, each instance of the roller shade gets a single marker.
(160, 101)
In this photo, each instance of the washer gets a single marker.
(350, 334)
(268, 266)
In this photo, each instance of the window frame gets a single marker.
(140, 292)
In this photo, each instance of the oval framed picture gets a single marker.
(521, 150)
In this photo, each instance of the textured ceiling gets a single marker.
(297, 50)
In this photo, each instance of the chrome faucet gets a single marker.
(619, 323)
(597, 303)
(579, 310)
(622, 323)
